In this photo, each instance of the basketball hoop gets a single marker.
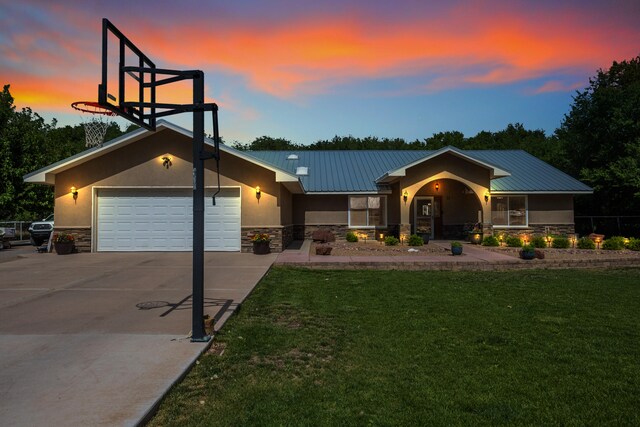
(96, 126)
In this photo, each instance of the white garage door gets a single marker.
(161, 220)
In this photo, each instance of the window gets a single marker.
(368, 211)
(509, 211)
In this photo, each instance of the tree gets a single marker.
(267, 143)
(22, 150)
(601, 139)
(27, 144)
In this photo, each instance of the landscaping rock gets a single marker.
(323, 236)
(323, 250)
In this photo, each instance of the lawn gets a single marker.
(535, 347)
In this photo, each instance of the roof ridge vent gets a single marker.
(302, 171)
(292, 157)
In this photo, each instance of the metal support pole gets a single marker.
(198, 333)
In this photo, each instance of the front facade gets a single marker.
(135, 194)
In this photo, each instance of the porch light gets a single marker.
(166, 162)
(437, 186)
(405, 196)
(258, 192)
(74, 193)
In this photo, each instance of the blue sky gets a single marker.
(311, 70)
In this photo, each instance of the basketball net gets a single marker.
(95, 127)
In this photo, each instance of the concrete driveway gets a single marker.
(96, 339)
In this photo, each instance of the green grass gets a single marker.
(555, 347)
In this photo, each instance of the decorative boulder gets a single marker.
(323, 250)
(323, 236)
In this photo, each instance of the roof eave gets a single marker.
(496, 172)
(47, 174)
(498, 192)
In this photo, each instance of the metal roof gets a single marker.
(357, 170)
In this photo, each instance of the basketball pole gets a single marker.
(198, 333)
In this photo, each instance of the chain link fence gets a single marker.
(21, 227)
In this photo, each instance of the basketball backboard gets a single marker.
(129, 93)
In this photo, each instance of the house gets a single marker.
(134, 193)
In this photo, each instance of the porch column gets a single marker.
(487, 227)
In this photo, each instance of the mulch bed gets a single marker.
(561, 254)
(374, 248)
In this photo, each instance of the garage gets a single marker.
(147, 219)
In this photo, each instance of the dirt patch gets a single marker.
(373, 248)
(217, 348)
(562, 254)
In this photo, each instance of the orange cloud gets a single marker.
(311, 56)
(465, 46)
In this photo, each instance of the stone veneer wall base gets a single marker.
(81, 234)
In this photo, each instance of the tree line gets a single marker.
(597, 142)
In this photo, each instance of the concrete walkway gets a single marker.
(97, 339)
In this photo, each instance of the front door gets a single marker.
(423, 215)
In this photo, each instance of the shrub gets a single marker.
(490, 241)
(586, 243)
(352, 237)
(513, 242)
(560, 242)
(456, 244)
(615, 243)
(391, 241)
(415, 240)
(538, 242)
(634, 244)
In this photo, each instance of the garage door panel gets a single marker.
(160, 220)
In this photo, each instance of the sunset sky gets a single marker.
(307, 70)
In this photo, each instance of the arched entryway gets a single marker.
(444, 209)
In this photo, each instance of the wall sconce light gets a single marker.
(258, 192)
(74, 193)
(405, 196)
(437, 186)
(486, 196)
(166, 162)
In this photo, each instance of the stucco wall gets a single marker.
(140, 164)
(285, 201)
(447, 162)
(323, 209)
(551, 209)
